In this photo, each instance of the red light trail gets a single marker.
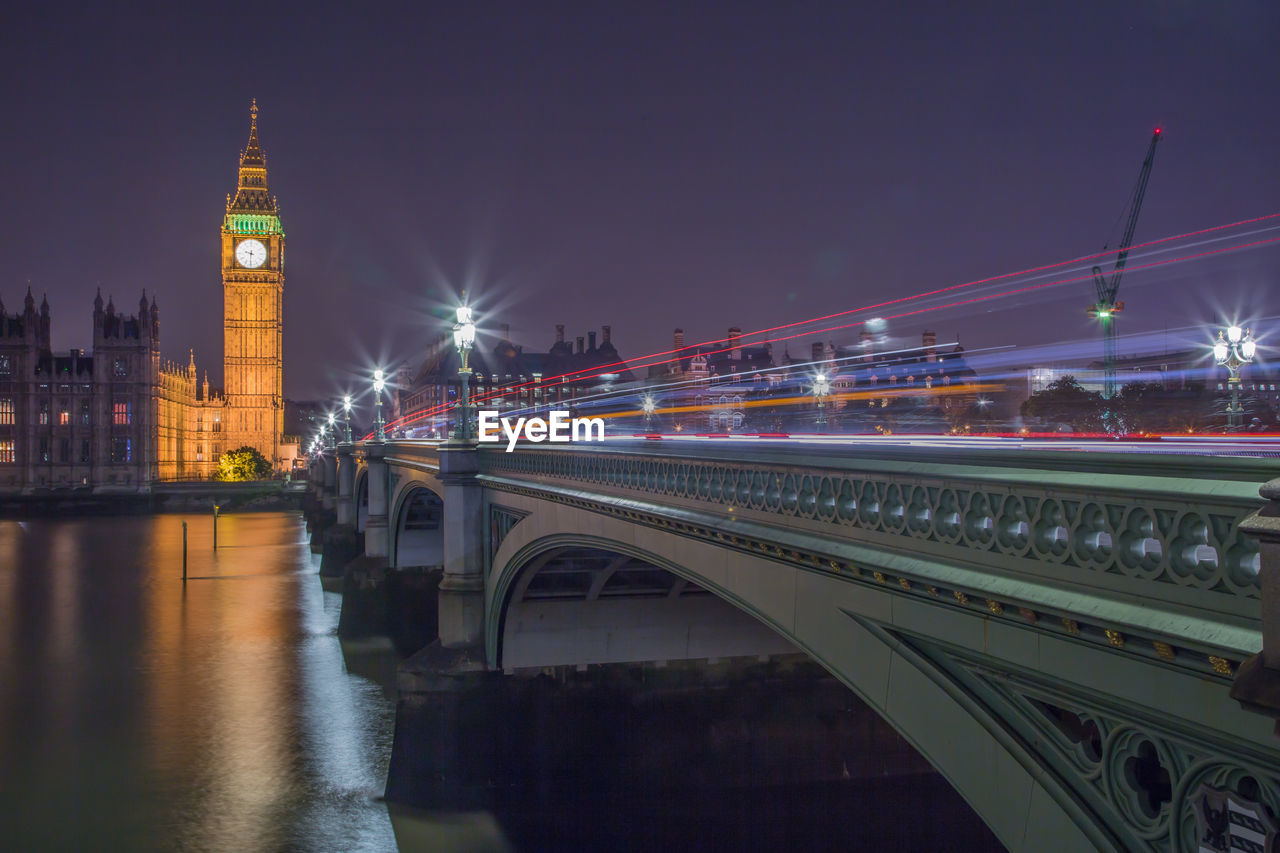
(600, 370)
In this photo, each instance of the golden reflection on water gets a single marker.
(140, 712)
(219, 664)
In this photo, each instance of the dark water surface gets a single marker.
(137, 713)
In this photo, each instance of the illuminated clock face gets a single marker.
(251, 254)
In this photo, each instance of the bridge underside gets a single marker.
(592, 606)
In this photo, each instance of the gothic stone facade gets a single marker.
(72, 420)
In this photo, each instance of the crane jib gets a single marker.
(1107, 305)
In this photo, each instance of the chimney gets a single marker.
(559, 333)
(579, 344)
(591, 341)
(679, 339)
(735, 337)
(930, 341)
(607, 332)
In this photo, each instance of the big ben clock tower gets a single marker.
(253, 298)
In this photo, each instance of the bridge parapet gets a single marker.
(1173, 527)
(1258, 685)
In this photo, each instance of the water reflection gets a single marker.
(139, 713)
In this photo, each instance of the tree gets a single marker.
(243, 463)
(1065, 401)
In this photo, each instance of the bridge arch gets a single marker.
(613, 603)
(842, 627)
(417, 525)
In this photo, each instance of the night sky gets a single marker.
(643, 165)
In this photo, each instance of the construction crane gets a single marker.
(1107, 306)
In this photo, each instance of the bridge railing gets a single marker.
(1140, 525)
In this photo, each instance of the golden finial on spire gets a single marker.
(253, 115)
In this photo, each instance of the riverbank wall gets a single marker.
(262, 496)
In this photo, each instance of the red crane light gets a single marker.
(1157, 130)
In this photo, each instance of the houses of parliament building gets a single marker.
(118, 419)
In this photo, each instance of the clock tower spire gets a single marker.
(253, 299)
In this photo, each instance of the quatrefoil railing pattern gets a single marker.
(1193, 544)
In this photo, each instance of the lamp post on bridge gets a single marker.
(821, 388)
(1234, 351)
(379, 428)
(333, 431)
(648, 406)
(464, 336)
(346, 415)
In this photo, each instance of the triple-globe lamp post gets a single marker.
(1234, 349)
(464, 337)
(346, 416)
(379, 428)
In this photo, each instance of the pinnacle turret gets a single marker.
(97, 302)
(29, 304)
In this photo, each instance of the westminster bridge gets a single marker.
(1060, 634)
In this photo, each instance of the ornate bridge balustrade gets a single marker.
(1158, 532)
(1056, 632)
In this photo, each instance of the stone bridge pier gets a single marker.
(381, 555)
(341, 543)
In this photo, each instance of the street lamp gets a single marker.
(379, 429)
(820, 390)
(333, 431)
(1234, 351)
(648, 406)
(464, 336)
(346, 414)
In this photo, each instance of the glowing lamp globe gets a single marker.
(346, 402)
(1248, 348)
(1220, 352)
(378, 381)
(1234, 333)
(464, 333)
